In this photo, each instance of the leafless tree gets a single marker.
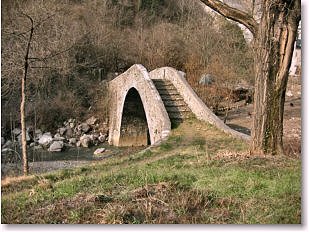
(40, 51)
(23, 100)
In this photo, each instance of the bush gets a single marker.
(82, 37)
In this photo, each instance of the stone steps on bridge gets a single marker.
(170, 92)
(161, 83)
(161, 86)
(174, 103)
(170, 103)
(177, 108)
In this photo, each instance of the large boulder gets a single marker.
(94, 138)
(58, 138)
(206, 79)
(46, 139)
(91, 121)
(72, 125)
(84, 127)
(102, 138)
(70, 122)
(62, 130)
(77, 131)
(37, 134)
(85, 140)
(8, 144)
(78, 144)
(56, 146)
(27, 137)
(16, 131)
(99, 151)
(68, 132)
(32, 144)
(29, 129)
(72, 141)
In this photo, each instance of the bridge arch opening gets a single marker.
(134, 129)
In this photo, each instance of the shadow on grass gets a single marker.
(241, 129)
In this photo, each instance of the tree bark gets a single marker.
(274, 47)
(233, 14)
(23, 127)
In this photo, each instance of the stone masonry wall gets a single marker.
(157, 118)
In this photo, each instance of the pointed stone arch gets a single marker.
(134, 129)
(137, 78)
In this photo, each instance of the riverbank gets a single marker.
(199, 175)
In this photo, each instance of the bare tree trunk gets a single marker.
(23, 102)
(274, 39)
(23, 126)
(274, 47)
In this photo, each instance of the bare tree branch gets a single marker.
(45, 67)
(18, 34)
(28, 45)
(51, 55)
(234, 14)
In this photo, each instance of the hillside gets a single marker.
(79, 45)
(199, 175)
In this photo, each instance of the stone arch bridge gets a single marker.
(144, 106)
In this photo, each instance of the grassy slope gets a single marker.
(191, 178)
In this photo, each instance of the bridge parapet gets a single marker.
(197, 106)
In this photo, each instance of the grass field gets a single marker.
(199, 175)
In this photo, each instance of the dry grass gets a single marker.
(15, 179)
(199, 175)
(108, 36)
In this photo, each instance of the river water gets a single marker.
(41, 161)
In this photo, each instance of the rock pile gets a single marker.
(206, 79)
(72, 133)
